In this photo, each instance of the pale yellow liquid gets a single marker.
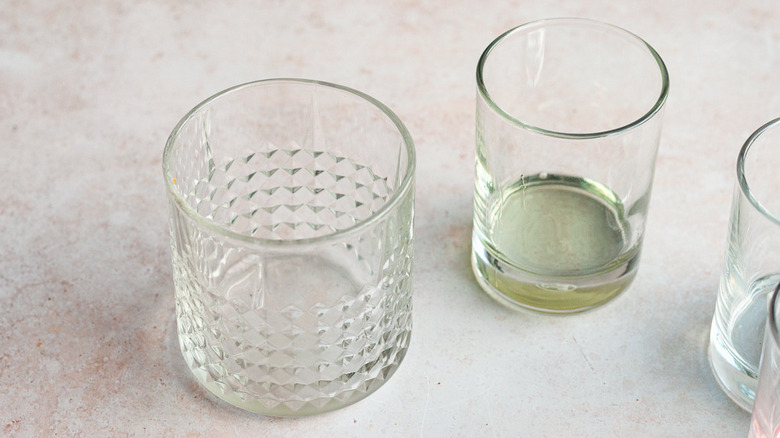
(555, 244)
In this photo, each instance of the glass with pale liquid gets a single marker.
(569, 115)
(751, 269)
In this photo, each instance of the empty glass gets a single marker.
(569, 115)
(291, 205)
(751, 270)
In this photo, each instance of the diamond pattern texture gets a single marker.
(287, 193)
(283, 330)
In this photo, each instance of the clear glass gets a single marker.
(751, 270)
(766, 409)
(291, 205)
(569, 115)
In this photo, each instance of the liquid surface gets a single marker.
(561, 227)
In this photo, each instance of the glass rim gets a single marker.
(657, 106)
(742, 178)
(404, 186)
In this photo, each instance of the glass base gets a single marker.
(735, 378)
(520, 289)
(297, 406)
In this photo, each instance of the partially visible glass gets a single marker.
(569, 115)
(291, 205)
(751, 268)
(766, 408)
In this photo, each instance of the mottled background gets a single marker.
(89, 91)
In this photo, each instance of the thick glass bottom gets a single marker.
(735, 378)
(521, 289)
(737, 333)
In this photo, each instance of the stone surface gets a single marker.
(90, 91)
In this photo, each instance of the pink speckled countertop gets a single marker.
(90, 90)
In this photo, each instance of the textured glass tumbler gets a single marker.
(291, 205)
(569, 115)
(751, 269)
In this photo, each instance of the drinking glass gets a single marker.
(291, 205)
(751, 268)
(766, 408)
(569, 115)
